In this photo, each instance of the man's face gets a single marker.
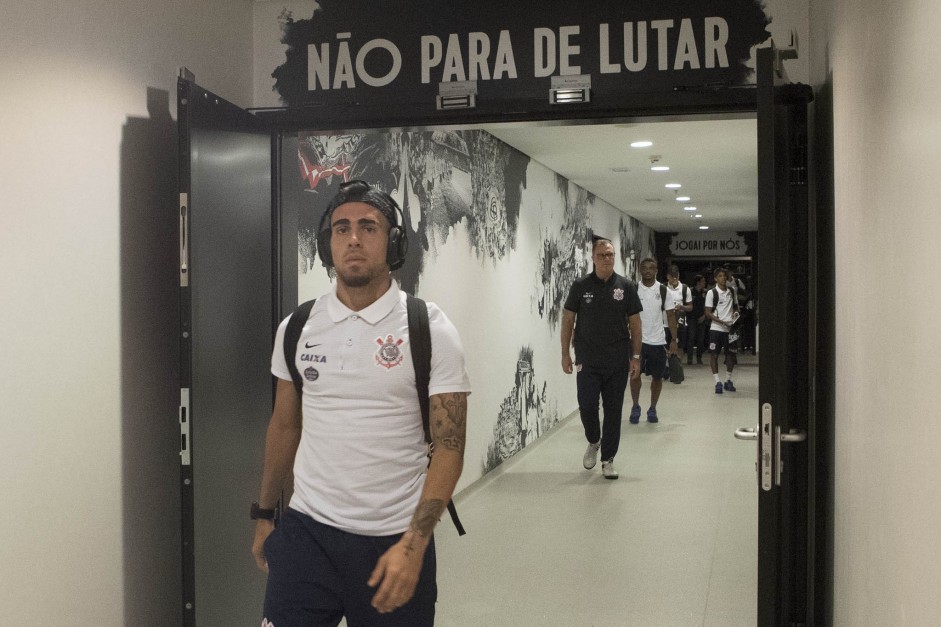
(720, 279)
(358, 242)
(603, 257)
(648, 271)
(673, 280)
(701, 283)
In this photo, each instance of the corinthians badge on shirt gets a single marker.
(618, 294)
(389, 354)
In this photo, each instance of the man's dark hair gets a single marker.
(674, 270)
(649, 260)
(718, 270)
(361, 191)
(698, 278)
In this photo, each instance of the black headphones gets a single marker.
(361, 191)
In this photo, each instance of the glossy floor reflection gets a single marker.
(671, 543)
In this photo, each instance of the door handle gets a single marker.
(746, 433)
(770, 465)
(793, 435)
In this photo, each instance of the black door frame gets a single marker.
(690, 103)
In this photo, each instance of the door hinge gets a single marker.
(185, 444)
(184, 240)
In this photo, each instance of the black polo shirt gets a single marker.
(602, 337)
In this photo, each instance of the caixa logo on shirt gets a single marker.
(389, 354)
(588, 297)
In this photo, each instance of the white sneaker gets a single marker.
(591, 455)
(607, 469)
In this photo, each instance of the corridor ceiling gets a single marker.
(715, 161)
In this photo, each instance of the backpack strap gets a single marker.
(685, 293)
(663, 297)
(292, 335)
(419, 339)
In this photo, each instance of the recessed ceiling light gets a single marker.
(697, 216)
(641, 144)
(703, 227)
(673, 186)
(682, 199)
(659, 168)
(689, 208)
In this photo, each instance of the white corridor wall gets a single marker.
(89, 322)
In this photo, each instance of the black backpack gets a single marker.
(419, 338)
(715, 305)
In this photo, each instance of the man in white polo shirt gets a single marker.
(722, 310)
(654, 349)
(356, 540)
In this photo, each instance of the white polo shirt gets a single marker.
(361, 462)
(723, 308)
(651, 318)
(675, 298)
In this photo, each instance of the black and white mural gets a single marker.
(496, 240)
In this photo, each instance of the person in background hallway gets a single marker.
(737, 286)
(681, 302)
(654, 351)
(722, 310)
(696, 322)
(602, 316)
(356, 540)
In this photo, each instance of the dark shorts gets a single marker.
(719, 340)
(317, 575)
(653, 360)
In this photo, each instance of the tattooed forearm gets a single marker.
(426, 516)
(449, 421)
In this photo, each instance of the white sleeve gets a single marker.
(279, 366)
(709, 300)
(448, 372)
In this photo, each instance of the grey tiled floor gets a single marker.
(671, 543)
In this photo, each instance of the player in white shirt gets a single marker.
(681, 302)
(722, 309)
(356, 540)
(654, 351)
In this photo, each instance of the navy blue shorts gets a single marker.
(719, 340)
(317, 575)
(653, 360)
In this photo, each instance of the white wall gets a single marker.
(877, 59)
(89, 320)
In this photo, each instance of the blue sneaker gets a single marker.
(718, 388)
(728, 386)
(652, 415)
(635, 414)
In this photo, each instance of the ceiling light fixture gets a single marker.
(641, 144)
(673, 186)
(689, 208)
(698, 216)
(703, 227)
(682, 199)
(659, 168)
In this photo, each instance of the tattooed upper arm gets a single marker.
(449, 421)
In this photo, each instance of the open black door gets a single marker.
(787, 305)
(226, 285)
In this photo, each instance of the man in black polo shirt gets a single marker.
(607, 350)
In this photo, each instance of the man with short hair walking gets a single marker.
(654, 351)
(602, 314)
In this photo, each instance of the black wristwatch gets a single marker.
(264, 514)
